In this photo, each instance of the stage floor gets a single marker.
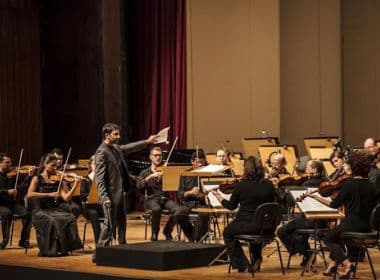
(80, 261)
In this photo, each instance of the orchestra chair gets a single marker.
(366, 239)
(15, 217)
(251, 145)
(267, 216)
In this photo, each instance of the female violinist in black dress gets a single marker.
(357, 195)
(57, 232)
(250, 193)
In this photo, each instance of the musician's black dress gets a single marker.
(57, 232)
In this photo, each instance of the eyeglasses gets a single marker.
(157, 155)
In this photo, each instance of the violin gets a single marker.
(67, 177)
(326, 189)
(292, 180)
(26, 169)
(228, 186)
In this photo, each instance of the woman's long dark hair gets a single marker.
(253, 169)
(46, 159)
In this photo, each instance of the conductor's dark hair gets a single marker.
(108, 128)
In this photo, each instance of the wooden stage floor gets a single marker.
(81, 261)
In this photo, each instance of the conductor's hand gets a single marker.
(151, 139)
(107, 203)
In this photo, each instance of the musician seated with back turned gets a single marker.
(250, 193)
(357, 196)
(56, 228)
(150, 181)
(10, 206)
(298, 243)
(192, 197)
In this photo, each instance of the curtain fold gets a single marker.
(157, 67)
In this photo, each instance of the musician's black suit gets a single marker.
(112, 180)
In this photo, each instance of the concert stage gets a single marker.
(14, 264)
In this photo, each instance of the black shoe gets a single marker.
(347, 275)
(3, 245)
(168, 237)
(94, 258)
(24, 244)
(154, 237)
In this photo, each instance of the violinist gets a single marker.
(191, 195)
(250, 193)
(9, 206)
(357, 195)
(74, 204)
(277, 163)
(150, 181)
(370, 145)
(297, 243)
(337, 159)
(57, 232)
(222, 159)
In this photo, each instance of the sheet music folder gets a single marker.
(310, 205)
(206, 171)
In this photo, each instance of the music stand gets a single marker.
(321, 153)
(288, 151)
(326, 142)
(170, 177)
(251, 145)
(329, 168)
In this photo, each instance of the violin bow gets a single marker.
(63, 171)
(18, 167)
(171, 151)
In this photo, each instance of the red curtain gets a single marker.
(156, 47)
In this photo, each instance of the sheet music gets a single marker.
(214, 202)
(310, 204)
(212, 168)
(162, 135)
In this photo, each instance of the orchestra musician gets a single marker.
(337, 159)
(370, 145)
(91, 211)
(113, 181)
(298, 243)
(250, 193)
(57, 232)
(74, 204)
(9, 206)
(357, 195)
(221, 157)
(277, 163)
(192, 197)
(150, 180)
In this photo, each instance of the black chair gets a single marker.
(366, 239)
(101, 220)
(267, 217)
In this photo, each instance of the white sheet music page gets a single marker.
(214, 202)
(162, 135)
(212, 168)
(310, 205)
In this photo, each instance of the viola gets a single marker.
(26, 169)
(228, 186)
(292, 180)
(326, 189)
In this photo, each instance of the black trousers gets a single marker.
(337, 246)
(6, 214)
(235, 252)
(193, 232)
(92, 212)
(114, 220)
(297, 243)
(156, 205)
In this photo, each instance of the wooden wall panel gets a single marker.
(20, 98)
